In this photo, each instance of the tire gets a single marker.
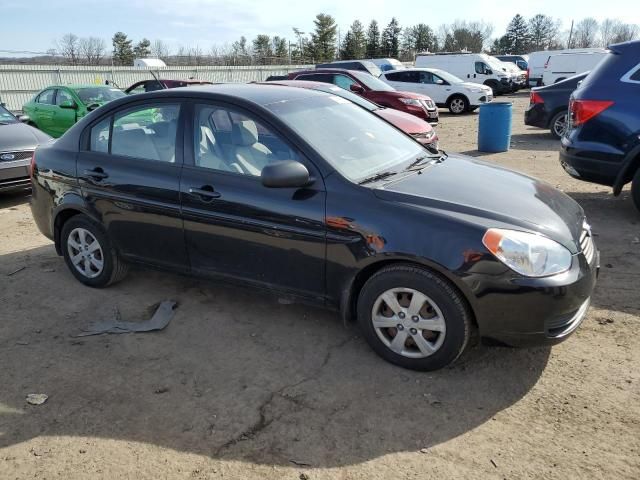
(635, 189)
(458, 104)
(558, 124)
(80, 231)
(441, 307)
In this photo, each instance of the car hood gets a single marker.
(492, 196)
(404, 121)
(19, 136)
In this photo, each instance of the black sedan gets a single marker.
(17, 143)
(303, 193)
(548, 106)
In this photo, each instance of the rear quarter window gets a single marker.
(635, 76)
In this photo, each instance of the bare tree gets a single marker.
(91, 49)
(195, 55)
(68, 48)
(586, 33)
(160, 50)
(625, 32)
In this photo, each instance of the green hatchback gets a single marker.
(56, 108)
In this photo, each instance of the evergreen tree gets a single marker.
(262, 48)
(280, 47)
(239, 47)
(373, 40)
(142, 49)
(359, 39)
(518, 35)
(122, 50)
(323, 39)
(543, 32)
(391, 39)
(348, 47)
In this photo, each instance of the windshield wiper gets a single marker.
(376, 177)
(420, 161)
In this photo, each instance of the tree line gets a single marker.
(325, 42)
(542, 32)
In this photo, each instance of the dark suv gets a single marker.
(602, 140)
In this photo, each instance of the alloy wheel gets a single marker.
(85, 252)
(457, 105)
(408, 322)
(560, 125)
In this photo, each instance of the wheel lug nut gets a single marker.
(400, 326)
(401, 315)
(413, 331)
(415, 318)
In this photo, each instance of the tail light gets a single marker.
(32, 164)
(582, 111)
(534, 97)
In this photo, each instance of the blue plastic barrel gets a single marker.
(494, 129)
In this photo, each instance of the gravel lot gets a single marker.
(241, 386)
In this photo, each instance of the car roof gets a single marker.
(329, 70)
(75, 86)
(247, 92)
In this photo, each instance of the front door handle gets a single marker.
(205, 193)
(97, 173)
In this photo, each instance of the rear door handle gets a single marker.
(206, 191)
(96, 173)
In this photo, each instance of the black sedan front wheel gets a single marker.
(413, 318)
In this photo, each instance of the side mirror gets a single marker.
(488, 71)
(23, 118)
(70, 104)
(439, 82)
(285, 174)
(355, 88)
(92, 107)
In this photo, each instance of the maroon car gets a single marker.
(161, 84)
(422, 131)
(373, 89)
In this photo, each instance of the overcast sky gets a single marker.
(33, 25)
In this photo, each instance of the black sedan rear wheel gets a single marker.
(635, 189)
(89, 253)
(413, 318)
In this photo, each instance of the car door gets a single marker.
(64, 116)
(235, 226)
(439, 92)
(129, 170)
(43, 110)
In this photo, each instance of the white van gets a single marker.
(565, 65)
(537, 61)
(445, 89)
(518, 77)
(470, 67)
(386, 64)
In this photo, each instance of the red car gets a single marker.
(153, 85)
(373, 89)
(422, 131)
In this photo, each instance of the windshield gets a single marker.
(355, 142)
(446, 76)
(497, 65)
(372, 82)
(6, 116)
(91, 95)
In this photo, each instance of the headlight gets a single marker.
(473, 90)
(528, 254)
(411, 101)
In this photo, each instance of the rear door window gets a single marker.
(46, 97)
(317, 77)
(146, 132)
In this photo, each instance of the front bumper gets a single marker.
(542, 311)
(14, 175)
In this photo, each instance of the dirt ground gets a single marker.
(241, 386)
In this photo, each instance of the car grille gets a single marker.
(13, 156)
(587, 246)
(429, 104)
